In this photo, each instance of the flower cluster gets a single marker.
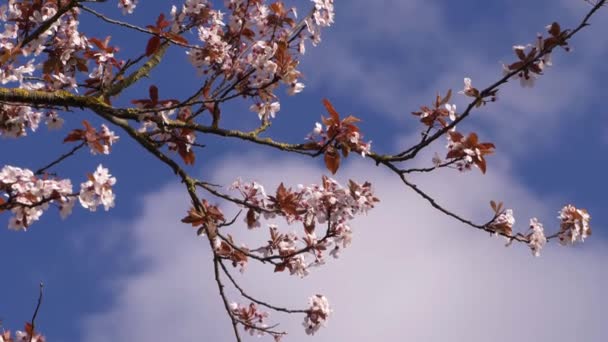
(160, 114)
(98, 190)
(266, 110)
(574, 225)
(252, 319)
(14, 120)
(128, 6)
(468, 151)
(98, 141)
(61, 42)
(534, 59)
(208, 218)
(536, 237)
(238, 256)
(338, 135)
(28, 335)
(253, 42)
(53, 120)
(323, 16)
(286, 246)
(439, 111)
(29, 196)
(317, 314)
(327, 204)
(102, 54)
(503, 223)
(481, 98)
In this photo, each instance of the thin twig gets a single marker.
(60, 159)
(220, 287)
(33, 322)
(257, 301)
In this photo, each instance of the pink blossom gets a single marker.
(317, 314)
(574, 225)
(127, 6)
(98, 190)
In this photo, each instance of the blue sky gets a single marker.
(137, 273)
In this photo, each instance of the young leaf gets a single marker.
(332, 160)
(152, 46)
(332, 111)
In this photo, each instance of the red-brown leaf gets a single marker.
(251, 218)
(29, 329)
(455, 136)
(176, 38)
(453, 154)
(152, 46)
(74, 135)
(277, 8)
(332, 111)
(520, 53)
(279, 267)
(100, 45)
(555, 29)
(153, 94)
(481, 163)
(447, 98)
(332, 160)
(187, 155)
(350, 120)
(194, 218)
(472, 139)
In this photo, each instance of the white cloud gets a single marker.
(411, 274)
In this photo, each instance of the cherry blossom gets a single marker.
(324, 14)
(14, 120)
(536, 237)
(98, 141)
(29, 196)
(53, 120)
(574, 225)
(503, 223)
(533, 59)
(468, 89)
(338, 135)
(251, 317)
(266, 110)
(317, 314)
(22, 336)
(98, 190)
(480, 98)
(468, 151)
(128, 6)
(295, 88)
(326, 204)
(436, 160)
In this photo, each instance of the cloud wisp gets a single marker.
(411, 273)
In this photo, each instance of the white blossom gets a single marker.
(98, 190)
(265, 110)
(317, 314)
(536, 238)
(574, 225)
